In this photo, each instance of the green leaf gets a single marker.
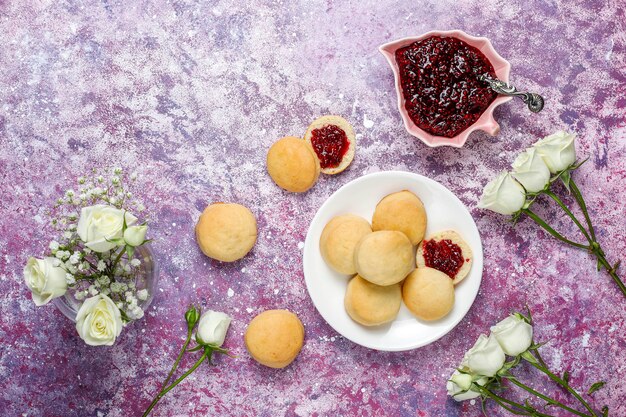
(605, 411)
(565, 178)
(566, 376)
(595, 387)
(130, 251)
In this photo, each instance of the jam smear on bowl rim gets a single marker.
(443, 255)
(330, 143)
(439, 77)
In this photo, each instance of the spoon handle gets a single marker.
(533, 100)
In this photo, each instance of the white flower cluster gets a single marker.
(512, 336)
(95, 256)
(507, 193)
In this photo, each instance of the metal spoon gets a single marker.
(533, 100)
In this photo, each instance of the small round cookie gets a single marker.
(339, 239)
(226, 231)
(384, 257)
(333, 141)
(428, 293)
(370, 304)
(293, 165)
(402, 211)
(274, 338)
(447, 252)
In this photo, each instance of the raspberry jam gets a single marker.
(330, 143)
(439, 77)
(443, 255)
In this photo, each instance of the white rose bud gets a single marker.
(531, 171)
(503, 195)
(100, 225)
(44, 279)
(135, 235)
(99, 321)
(486, 357)
(212, 328)
(513, 334)
(459, 386)
(557, 150)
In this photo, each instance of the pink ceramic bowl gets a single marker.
(485, 122)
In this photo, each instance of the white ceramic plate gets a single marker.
(327, 287)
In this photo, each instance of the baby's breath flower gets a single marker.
(70, 279)
(75, 258)
(54, 246)
(80, 295)
(101, 265)
(127, 268)
(142, 294)
(116, 287)
(93, 290)
(104, 280)
(135, 313)
(135, 262)
(67, 234)
(131, 285)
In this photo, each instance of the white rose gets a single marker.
(99, 321)
(557, 150)
(100, 224)
(513, 334)
(459, 386)
(44, 279)
(486, 357)
(212, 328)
(135, 235)
(531, 171)
(503, 195)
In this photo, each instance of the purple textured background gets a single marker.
(192, 94)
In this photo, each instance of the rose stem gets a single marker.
(549, 400)
(528, 411)
(569, 213)
(596, 249)
(164, 391)
(178, 358)
(558, 380)
(553, 232)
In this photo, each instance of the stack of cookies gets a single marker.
(381, 259)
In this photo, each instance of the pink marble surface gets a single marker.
(192, 94)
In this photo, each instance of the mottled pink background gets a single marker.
(192, 94)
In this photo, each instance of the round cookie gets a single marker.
(334, 142)
(402, 211)
(446, 251)
(226, 231)
(428, 293)
(293, 165)
(274, 338)
(339, 239)
(370, 304)
(384, 257)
